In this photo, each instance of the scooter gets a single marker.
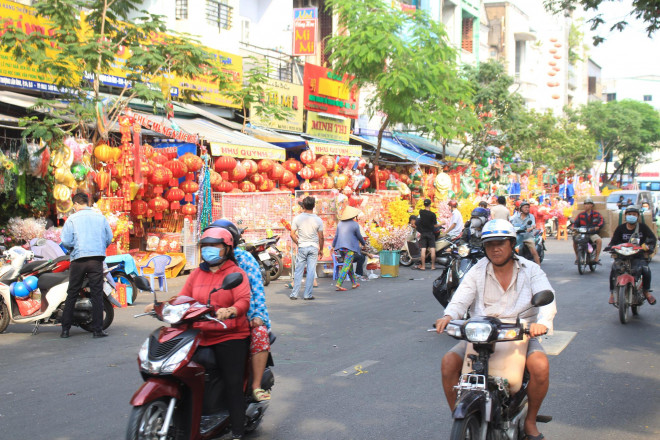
(47, 301)
(14, 260)
(411, 252)
(458, 262)
(492, 390)
(182, 394)
(259, 253)
(629, 292)
(267, 247)
(539, 242)
(586, 251)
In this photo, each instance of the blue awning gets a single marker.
(391, 146)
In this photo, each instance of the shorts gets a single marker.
(427, 240)
(259, 340)
(533, 346)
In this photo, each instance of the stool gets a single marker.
(562, 233)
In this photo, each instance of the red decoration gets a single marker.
(160, 177)
(139, 208)
(216, 178)
(174, 196)
(189, 187)
(178, 169)
(327, 182)
(306, 186)
(192, 162)
(238, 173)
(247, 186)
(189, 211)
(328, 162)
(319, 170)
(257, 179)
(146, 168)
(287, 177)
(159, 159)
(265, 185)
(307, 173)
(292, 165)
(225, 163)
(366, 183)
(102, 180)
(250, 166)
(343, 161)
(277, 172)
(307, 157)
(158, 205)
(225, 186)
(265, 165)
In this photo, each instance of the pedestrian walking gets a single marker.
(307, 234)
(348, 241)
(87, 233)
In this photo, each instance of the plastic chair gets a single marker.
(337, 265)
(562, 233)
(160, 263)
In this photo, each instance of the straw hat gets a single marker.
(349, 213)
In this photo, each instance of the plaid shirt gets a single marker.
(530, 279)
(592, 220)
(257, 309)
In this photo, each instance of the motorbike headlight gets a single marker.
(508, 334)
(477, 331)
(173, 362)
(173, 314)
(143, 355)
(463, 250)
(582, 230)
(626, 251)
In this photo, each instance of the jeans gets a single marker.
(306, 258)
(359, 261)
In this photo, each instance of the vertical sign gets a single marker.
(305, 22)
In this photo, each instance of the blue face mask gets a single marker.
(632, 219)
(210, 254)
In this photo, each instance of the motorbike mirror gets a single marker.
(142, 283)
(232, 280)
(543, 298)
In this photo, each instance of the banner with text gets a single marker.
(287, 95)
(305, 23)
(163, 129)
(326, 92)
(330, 149)
(247, 152)
(325, 127)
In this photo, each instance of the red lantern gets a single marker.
(271, 185)
(307, 173)
(328, 162)
(192, 162)
(178, 169)
(159, 159)
(238, 173)
(319, 170)
(265, 165)
(225, 163)
(225, 186)
(277, 172)
(343, 161)
(189, 187)
(327, 182)
(160, 177)
(216, 178)
(174, 196)
(366, 183)
(292, 165)
(307, 157)
(287, 177)
(158, 205)
(102, 180)
(306, 186)
(257, 179)
(146, 169)
(189, 211)
(265, 185)
(361, 164)
(316, 185)
(139, 208)
(247, 186)
(250, 166)
(383, 175)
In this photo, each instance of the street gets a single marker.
(351, 365)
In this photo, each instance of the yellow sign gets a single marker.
(286, 95)
(18, 75)
(329, 149)
(247, 152)
(325, 127)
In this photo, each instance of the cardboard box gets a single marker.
(615, 218)
(598, 206)
(596, 199)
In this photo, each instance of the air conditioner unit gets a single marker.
(245, 30)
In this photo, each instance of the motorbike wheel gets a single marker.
(541, 253)
(582, 261)
(592, 266)
(277, 268)
(108, 316)
(4, 316)
(624, 306)
(466, 429)
(122, 277)
(146, 420)
(405, 259)
(265, 275)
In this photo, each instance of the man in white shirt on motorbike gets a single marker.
(502, 285)
(523, 218)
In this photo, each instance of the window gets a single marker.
(648, 98)
(181, 9)
(592, 85)
(219, 13)
(610, 97)
(520, 49)
(466, 41)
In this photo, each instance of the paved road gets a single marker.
(604, 385)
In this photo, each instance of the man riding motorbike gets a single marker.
(519, 220)
(622, 234)
(502, 285)
(589, 219)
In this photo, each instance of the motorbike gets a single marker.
(119, 275)
(586, 251)
(45, 305)
(182, 393)
(411, 252)
(258, 251)
(460, 259)
(492, 390)
(269, 246)
(539, 242)
(629, 293)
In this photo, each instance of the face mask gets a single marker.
(632, 219)
(210, 254)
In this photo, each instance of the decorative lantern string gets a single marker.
(204, 211)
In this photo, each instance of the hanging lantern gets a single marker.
(61, 192)
(189, 211)
(225, 163)
(327, 182)
(307, 173)
(383, 175)
(116, 154)
(307, 157)
(158, 205)
(250, 166)
(277, 172)
(555, 96)
(174, 195)
(361, 164)
(139, 208)
(265, 165)
(287, 176)
(192, 162)
(319, 170)
(292, 165)
(247, 186)
(552, 63)
(189, 187)
(271, 184)
(316, 185)
(556, 69)
(178, 169)
(216, 178)
(553, 51)
(257, 179)
(366, 183)
(225, 186)
(103, 152)
(160, 177)
(328, 162)
(343, 161)
(265, 185)
(159, 159)
(102, 180)
(306, 186)
(146, 168)
(238, 173)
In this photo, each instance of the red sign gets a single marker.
(304, 36)
(326, 92)
(165, 130)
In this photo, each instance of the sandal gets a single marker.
(650, 299)
(355, 286)
(611, 301)
(535, 437)
(260, 395)
(340, 289)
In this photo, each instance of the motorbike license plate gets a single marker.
(264, 256)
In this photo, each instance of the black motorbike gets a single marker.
(586, 251)
(454, 266)
(485, 406)
(119, 275)
(539, 242)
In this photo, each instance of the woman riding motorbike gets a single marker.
(230, 344)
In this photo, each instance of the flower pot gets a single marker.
(389, 263)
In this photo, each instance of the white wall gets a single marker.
(271, 23)
(634, 88)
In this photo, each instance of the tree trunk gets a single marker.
(386, 122)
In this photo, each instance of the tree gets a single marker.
(645, 10)
(83, 46)
(406, 63)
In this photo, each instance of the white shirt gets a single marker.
(457, 220)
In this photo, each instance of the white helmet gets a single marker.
(497, 229)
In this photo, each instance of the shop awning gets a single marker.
(335, 149)
(391, 146)
(407, 140)
(275, 138)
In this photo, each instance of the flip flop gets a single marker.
(340, 289)
(355, 286)
(260, 395)
(611, 301)
(535, 437)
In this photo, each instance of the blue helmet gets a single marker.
(480, 212)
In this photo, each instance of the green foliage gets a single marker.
(406, 64)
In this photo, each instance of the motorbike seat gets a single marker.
(62, 258)
(34, 265)
(50, 280)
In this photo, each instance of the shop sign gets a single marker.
(169, 132)
(326, 92)
(287, 95)
(330, 149)
(21, 75)
(305, 23)
(332, 128)
(247, 152)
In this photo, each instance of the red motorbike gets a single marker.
(629, 293)
(182, 396)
